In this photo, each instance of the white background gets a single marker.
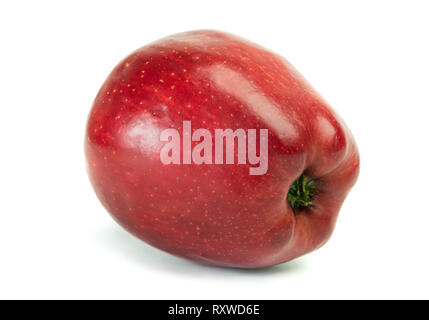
(369, 59)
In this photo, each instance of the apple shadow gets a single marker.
(141, 253)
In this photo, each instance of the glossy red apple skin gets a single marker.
(217, 214)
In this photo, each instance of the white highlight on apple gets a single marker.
(202, 153)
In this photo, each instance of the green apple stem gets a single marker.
(301, 193)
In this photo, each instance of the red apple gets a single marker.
(203, 206)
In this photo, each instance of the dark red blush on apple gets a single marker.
(218, 213)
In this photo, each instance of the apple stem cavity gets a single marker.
(301, 193)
